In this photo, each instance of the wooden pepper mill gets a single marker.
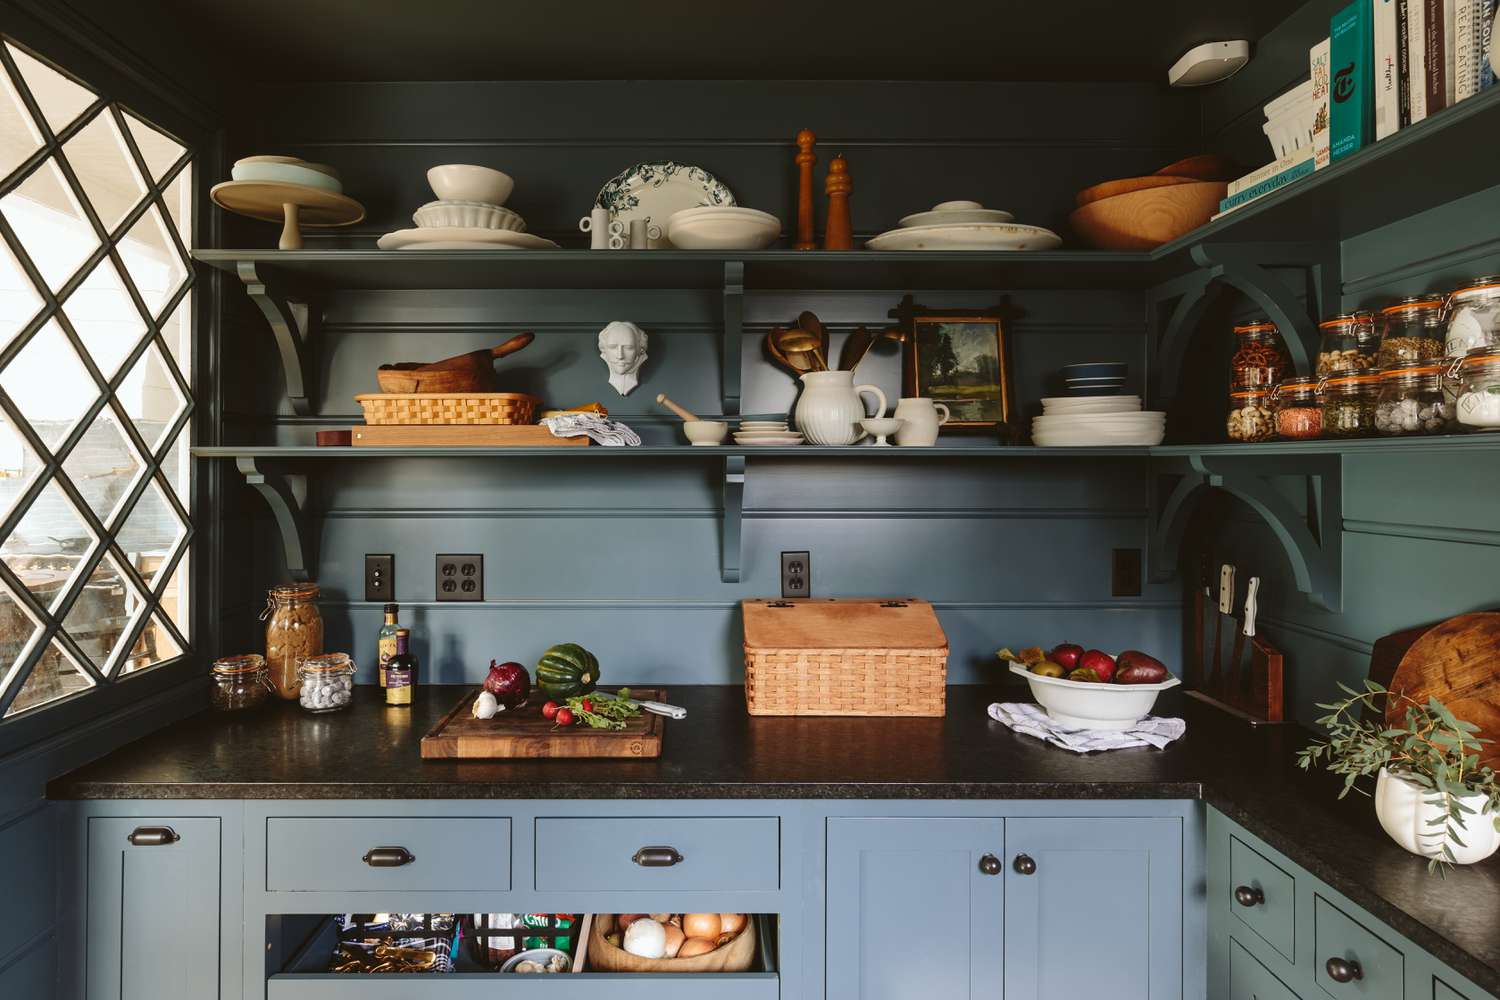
(839, 234)
(806, 240)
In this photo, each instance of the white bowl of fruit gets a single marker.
(1089, 689)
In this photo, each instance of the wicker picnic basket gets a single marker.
(853, 656)
(449, 408)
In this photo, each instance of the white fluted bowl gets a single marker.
(1405, 813)
(467, 215)
(1085, 705)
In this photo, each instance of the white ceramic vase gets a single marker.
(922, 421)
(1406, 813)
(830, 409)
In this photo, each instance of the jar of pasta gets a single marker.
(1347, 343)
(1348, 404)
(1260, 356)
(1298, 417)
(294, 632)
(1250, 416)
(1411, 330)
(1412, 400)
(1473, 317)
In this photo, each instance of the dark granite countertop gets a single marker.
(371, 752)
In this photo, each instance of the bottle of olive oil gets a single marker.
(385, 646)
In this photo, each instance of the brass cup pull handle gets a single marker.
(657, 857)
(153, 836)
(388, 857)
(1249, 895)
(989, 864)
(1024, 864)
(1343, 970)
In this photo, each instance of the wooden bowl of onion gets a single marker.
(671, 942)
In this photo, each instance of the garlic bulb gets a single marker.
(646, 938)
(485, 706)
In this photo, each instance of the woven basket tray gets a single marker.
(449, 408)
(844, 657)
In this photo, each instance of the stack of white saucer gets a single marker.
(774, 433)
(1096, 421)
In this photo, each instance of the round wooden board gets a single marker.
(264, 200)
(1458, 663)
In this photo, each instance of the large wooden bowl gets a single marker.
(735, 956)
(1145, 219)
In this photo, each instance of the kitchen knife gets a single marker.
(655, 707)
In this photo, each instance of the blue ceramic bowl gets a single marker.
(1099, 369)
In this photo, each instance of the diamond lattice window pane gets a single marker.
(18, 633)
(102, 617)
(51, 227)
(56, 675)
(105, 169)
(19, 137)
(105, 317)
(151, 396)
(152, 260)
(159, 150)
(175, 468)
(48, 546)
(177, 331)
(19, 466)
(178, 197)
(103, 465)
(49, 384)
(151, 533)
(174, 599)
(19, 300)
(60, 98)
(155, 647)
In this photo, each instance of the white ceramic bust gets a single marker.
(623, 348)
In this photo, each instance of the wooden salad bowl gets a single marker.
(736, 955)
(1147, 218)
(473, 371)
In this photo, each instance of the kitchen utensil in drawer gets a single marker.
(472, 371)
(385, 853)
(1249, 980)
(1351, 961)
(598, 854)
(1263, 897)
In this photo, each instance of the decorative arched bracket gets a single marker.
(294, 319)
(287, 496)
(1312, 539)
(732, 520)
(734, 329)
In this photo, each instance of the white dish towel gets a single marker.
(601, 429)
(1024, 717)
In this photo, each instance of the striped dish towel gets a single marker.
(1032, 720)
(600, 429)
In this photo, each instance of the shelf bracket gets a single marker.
(294, 320)
(734, 328)
(287, 496)
(733, 519)
(1311, 536)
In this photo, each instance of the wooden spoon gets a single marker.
(856, 346)
(809, 322)
(661, 398)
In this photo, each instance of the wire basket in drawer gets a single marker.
(503, 408)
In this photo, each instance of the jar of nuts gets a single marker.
(1412, 400)
(1250, 416)
(1412, 330)
(1348, 404)
(1347, 343)
(1298, 417)
(1473, 317)
(1260, 356)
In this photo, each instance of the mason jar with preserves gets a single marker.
(1348, 404)
(1473, 317)
(1478, 374)
(1347, 343)
(239, 683)
(1411, 330)
(1250, 415)
(1260, 356)
(1298, 417)
(1412, 400)
(294, 631)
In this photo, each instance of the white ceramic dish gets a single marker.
(705, 433)
(285, 173)
(766, 435)
(1081, 705)
(967, 236)
(540, 956)
(1090, 404)
(767, 442)
(955, 213)
(462, 239)
(1136, 418)
(467, 215)
(1059, 439)
(468, 182)
(657, 190)
(722, 228)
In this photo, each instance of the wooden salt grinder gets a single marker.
(805, 160)
(839, 234)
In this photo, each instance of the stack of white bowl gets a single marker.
(769, 433)
(287, 170)
(1096, 421)
(722, 227)
(469, 214)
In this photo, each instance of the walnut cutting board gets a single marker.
(1457, 662)
(525, 734)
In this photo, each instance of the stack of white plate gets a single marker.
(468, 215)
(773, 433)
(964, 225)
(1095, 421)
(722, 227)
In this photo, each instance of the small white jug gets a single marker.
(830, 409)
(922, 421)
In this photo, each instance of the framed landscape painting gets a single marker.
(960, 361)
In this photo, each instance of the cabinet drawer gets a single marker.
(1380, 972)
(1263, 897)
(312, 853)
(1249, 980)
(719, 854)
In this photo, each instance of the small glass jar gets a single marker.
(239, 683)
(1347, 343)
(1412, 400)
(294, 631)
(1298, 417)
(1478, 374)
(327, 682)
(1260, 356)
(1473, 317)
(1250, 415)
(1411, 330)
(1348, 404)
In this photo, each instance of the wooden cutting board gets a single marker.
(524, 733)
(471, 435)
(1457, 662)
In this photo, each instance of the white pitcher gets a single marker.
(922, 421)
(830, 409)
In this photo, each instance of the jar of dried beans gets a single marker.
(1412, 330)
(1250, 416)
(1412, 400)
(294, 632)
(1473, 317)
(1298, 417)
(239, 683)
(1347, 343)
(1260, 356)
(1348, 404)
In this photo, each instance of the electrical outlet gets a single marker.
(1125, 573)
(380, 577)
(796, 574)
(460, 577)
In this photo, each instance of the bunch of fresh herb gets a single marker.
(1431, 747)
(604, 711)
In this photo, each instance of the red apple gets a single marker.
(1136, 667)
(1100, 663)
(1066, 654)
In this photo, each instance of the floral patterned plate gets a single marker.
(654, 190)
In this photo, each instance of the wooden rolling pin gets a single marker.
(661, 398)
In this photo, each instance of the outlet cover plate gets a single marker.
(460, 577)
(380, 577)
(796, 574)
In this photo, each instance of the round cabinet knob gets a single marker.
(1249, 895)
(1343, 970)
(989, 864)
(1024, 864)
